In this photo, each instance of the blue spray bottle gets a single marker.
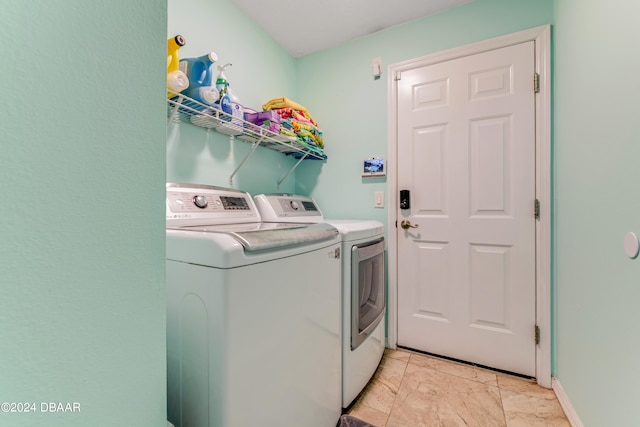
(200, 72)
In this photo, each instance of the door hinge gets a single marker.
(536, 83)
(398, 76)
(537, 334)
(536, 209)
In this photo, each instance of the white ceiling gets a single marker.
(306, 26)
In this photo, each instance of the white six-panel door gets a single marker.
(466, 152)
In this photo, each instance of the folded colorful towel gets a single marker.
(285, 103)
(286, 132)
(286, 123)
(282, 102)
(296, 121)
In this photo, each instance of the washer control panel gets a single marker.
(208, 205)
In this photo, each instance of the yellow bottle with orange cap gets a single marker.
(177, 81)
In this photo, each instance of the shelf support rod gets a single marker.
(174, 111)
(293, 168)
(253, 149)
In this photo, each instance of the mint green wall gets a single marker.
(261, 70)
(597, 147)
(337, 87)
(82, 284)
(82, 307)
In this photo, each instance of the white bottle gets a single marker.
(228, 101)
(237, 110)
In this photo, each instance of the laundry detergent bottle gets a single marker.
(200, 73)
(177, 81)
(199, 70)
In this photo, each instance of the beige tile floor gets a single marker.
(414, 390)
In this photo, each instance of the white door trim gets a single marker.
(542, 38)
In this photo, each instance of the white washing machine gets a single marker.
(253, 315)
(364, 285)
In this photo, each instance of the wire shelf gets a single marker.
(182, 109)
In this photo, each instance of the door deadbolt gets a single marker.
(407, 225)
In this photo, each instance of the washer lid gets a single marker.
(284, 237)
(264, 236)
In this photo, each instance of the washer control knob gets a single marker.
(200, 201)
(294, 205)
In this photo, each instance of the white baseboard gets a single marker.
(567, 407)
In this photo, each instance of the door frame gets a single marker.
(542, 38)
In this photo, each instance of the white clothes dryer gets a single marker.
(363, 285)
(253, 315)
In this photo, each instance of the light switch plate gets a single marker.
(376, 67)
(378, 199)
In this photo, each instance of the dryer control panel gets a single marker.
(288, 208)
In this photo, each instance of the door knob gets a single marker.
(407, 225)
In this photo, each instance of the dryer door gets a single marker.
(367, 289)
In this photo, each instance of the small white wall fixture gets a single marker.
(541, 36)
